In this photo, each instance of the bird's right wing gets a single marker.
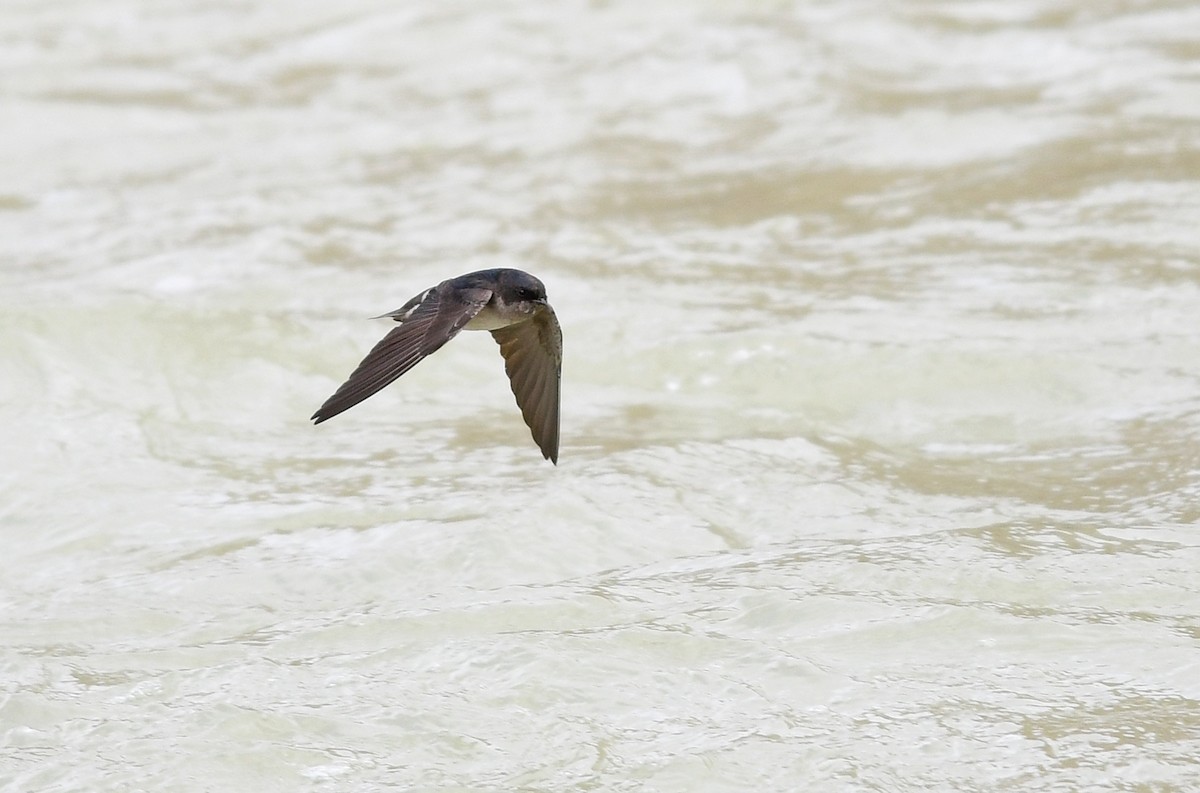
(532, 353)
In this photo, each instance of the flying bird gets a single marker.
(511, 304)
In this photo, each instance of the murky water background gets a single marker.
(881, 441)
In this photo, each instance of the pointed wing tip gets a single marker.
(324, 413)
(549, 446)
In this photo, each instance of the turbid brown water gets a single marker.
(880, 455)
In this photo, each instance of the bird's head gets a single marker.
(521, 292)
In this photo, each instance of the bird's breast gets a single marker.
(491, 318)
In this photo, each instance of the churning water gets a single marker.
(881, 436)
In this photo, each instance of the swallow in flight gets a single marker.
(509, 303)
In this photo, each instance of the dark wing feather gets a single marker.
(532, 353)
(426, 323)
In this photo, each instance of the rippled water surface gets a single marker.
(881, 436)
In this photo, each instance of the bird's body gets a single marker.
(511, 304)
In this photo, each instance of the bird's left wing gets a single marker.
(426, 323)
